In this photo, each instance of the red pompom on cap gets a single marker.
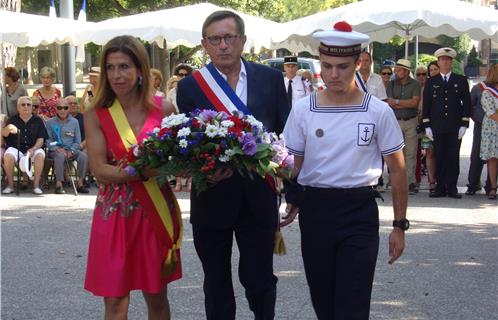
(343, 26)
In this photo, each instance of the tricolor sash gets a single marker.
(165, 216)
(491, 89)
(359, 82)
(218, 91)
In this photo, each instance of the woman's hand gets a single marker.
(219, 175)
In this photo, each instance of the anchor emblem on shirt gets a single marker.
(365, 133)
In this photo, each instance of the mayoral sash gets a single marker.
(164, 215)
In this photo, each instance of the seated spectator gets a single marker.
(75, 113)
(25, 136)
(64, 141)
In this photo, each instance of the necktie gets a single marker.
(289, 93)
(445, 79)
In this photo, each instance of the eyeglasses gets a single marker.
(421, 74)
(181, 74)
(386, 73)
(228, 38)
(62, 107)
(25, 104)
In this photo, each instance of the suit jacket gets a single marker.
(446, 105)
(220, 206)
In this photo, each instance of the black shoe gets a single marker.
(454, 195)
(470, 192)
(82, 189)
(59, 190)
(437, 194)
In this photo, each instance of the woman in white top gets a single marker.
(337, 137)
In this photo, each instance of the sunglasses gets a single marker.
(386, 73)
(26, 104)
(62, 107)
(182, 74)
(421, 74)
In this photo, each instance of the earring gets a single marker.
(140, 80)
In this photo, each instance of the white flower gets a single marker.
(229, 152)
(211, 130)
(222, 132)
(227, 123)
(266, 138)
(183, 143)
(224, 158)
(183, 132)
(254, 122)
(174, 120)
(156, 130)
(136, 151)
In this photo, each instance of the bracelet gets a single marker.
(142, 177)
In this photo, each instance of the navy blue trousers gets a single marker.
(340, 243)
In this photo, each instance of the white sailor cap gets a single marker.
(445, 52)
(341, 41)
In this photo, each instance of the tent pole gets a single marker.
(416, 52)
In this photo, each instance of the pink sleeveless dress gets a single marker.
(124, 252)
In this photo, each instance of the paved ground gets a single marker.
(449, 270)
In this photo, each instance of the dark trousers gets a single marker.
(339, 243)
(255, 243)
(447, 152)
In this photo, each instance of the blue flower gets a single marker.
(130, 171)
(248, 144)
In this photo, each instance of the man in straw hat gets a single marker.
(337, 138)
(446, 114)
(404, 95)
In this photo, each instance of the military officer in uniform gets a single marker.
(297, 87)
(446, 113)
(338, 136)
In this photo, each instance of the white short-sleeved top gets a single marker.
(375, 86)
(342, 145)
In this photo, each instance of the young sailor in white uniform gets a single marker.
(337, 137)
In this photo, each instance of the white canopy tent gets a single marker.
(382, 19)
(178, 26)
(30, 30)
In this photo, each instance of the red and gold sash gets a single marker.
(165, 216)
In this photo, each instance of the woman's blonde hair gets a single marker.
(136, 51)
(47, 71)
(172, 83)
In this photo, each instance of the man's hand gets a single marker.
(428, 133)
(391, 102)
(219, 175)
(461, 132)
(60, 150)
(69, 154)
(12, 129)
(292, 212)
(396, 244)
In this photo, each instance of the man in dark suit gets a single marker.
(446, 118)
(236, 204)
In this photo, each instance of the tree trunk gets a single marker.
(8, 52)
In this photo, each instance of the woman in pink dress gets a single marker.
(45, 98)
(136, 229)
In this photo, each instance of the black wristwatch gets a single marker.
(403, 224)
